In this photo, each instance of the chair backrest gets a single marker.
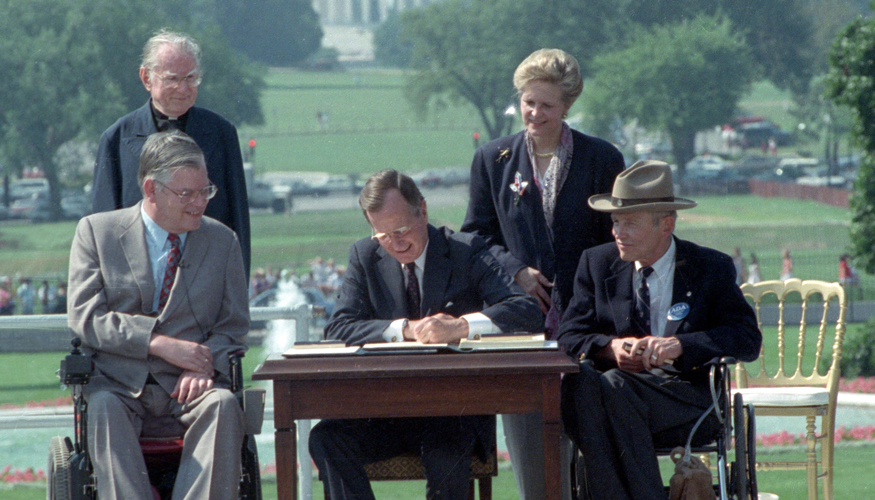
(810, 303)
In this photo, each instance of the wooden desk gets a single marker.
(418, 385)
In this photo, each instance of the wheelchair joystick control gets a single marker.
(76, 367)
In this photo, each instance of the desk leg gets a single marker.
(286, 463)
(551, 413)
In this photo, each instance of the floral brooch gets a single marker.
(518, 187)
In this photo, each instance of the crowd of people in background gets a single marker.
(750, 273)
(26, 297)
(324, 275)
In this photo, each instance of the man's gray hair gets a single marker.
(374, 193)
(184, 43)
(166, 152)
(658, 216)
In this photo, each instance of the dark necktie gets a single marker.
(642, 302)
(413, 300)
(170, 272)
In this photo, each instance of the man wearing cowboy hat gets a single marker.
(648, 312)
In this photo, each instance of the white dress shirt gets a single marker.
(661, 286)
(478, 323)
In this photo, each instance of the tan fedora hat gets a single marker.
(646, 186)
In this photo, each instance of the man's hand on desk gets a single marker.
(190, 386)
(437, 329)
(182, 353)
(634, 355)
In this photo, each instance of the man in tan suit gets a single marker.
(158, 296)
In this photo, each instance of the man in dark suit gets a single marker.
(171, 73)
(412, 281)
(159, 298)
(648, 312)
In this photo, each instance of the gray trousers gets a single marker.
(524, 437)
(212, 427)
(618, 419)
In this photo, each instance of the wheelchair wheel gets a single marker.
(740, 472)
(752, 488)
(250, 481)
(58, 475)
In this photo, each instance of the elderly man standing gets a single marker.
(157, 295)
(171, 72)
(648, 311)
(412, 281)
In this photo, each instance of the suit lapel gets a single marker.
(437, 273)
(203, 134)
(390, 271)
(143, 127)
(193, 256)
(528, 205)
(133, 243)
(684, 275)
(618, 286)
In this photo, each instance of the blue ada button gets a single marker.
(678, 311)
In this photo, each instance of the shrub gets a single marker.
(858, 351)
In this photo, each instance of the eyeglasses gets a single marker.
(396, 235)
(190, 195)
(173, 81)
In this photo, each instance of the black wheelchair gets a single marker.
(735, 479)
(70, 473)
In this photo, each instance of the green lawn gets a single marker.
(371, 125)
(853, 464)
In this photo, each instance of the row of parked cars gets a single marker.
(713, 174)
(29, 199)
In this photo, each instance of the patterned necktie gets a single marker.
(642, 302)
(170, 272)
(413, 300)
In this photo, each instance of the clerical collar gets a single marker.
(164, 122)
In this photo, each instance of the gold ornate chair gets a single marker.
(799, 372)
(410, 467)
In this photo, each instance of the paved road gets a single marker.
(435, 197)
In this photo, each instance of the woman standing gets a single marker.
(786, 265)
(528, 197)
(753, 271)
(528, 191)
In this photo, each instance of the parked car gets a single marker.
(707, 162)
(25, 188)
(260, 194)
(36, 208)
(712, 181)
(24, 208)
(303, 188)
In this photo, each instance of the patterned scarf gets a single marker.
(557, 172)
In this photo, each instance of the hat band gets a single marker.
(630, 202)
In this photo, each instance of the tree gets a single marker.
(851, 82)
(779, 33)
(454, 40)
(273, 32)
(389, 47)
(55, 87)
(66, 81)
(677, 78)
(461, 53)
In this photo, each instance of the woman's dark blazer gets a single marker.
(514, 225)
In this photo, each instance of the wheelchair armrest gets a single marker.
(235, 359)
(251, 399)
(721, 360)
(253, 409)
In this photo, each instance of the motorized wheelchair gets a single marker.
(70, 473)
(735, 479)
